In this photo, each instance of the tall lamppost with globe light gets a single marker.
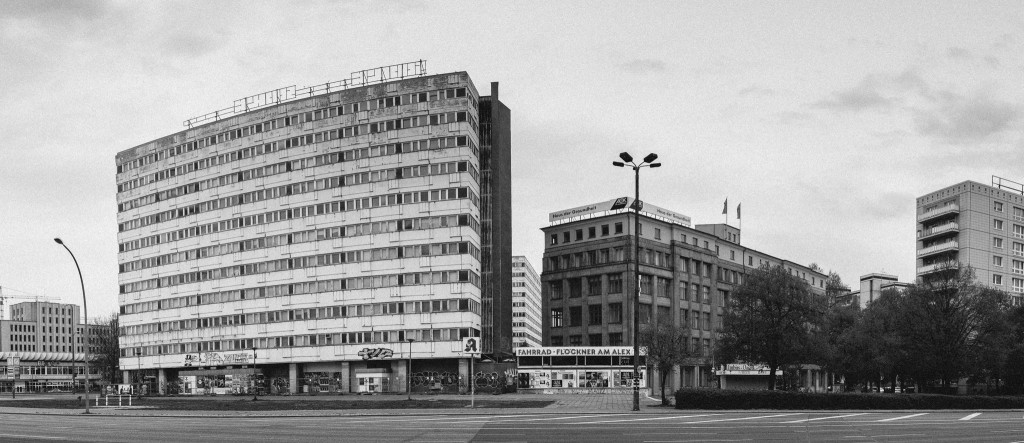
(85, 328)
(627, 160)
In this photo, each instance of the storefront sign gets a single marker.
(620, 204)
(376, 353)
(557, 351)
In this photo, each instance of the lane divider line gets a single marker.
(743, 418)
(903, 417)
(825, 418)
(970, 416)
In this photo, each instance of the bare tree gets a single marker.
(106, 360)
(666, 348)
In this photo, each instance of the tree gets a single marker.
(666, 347)
(106, 360)
(836, 292)
(771, 320)
(949, 321)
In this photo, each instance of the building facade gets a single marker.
(526, 305)
(686, 276)
(319, 243)
(978, 225)
(871, 288)
(43, 348)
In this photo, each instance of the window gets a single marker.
(579, 234)
(556, 318)
(592, 232)
(705, 295)
(732, 255)
(645, 284)
(618, 228)
(997, 243)
(684, 318)
(997, 279)
(594, 315)
(575, 287)
(707, 321)
(614, 283)
(554, 239)
(695, 324)
(645, 313)
(615, 339)
(997, 261)
(664, 314)
(657, 233)
(556, 340)
(604, 230)
(594, 340)
(565, 237)
(575, 316)
(575, 340)
(556, 289)
(997, 206)
(997, 224)
(594, 285)
(614, 313)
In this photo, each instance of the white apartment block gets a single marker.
(978, 225)
(526, 304)
(325, 235)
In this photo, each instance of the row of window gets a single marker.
(281, 122)
(303, 340)
(592, 286)
(321, 313)
(310, 261)
(311, 287)
(591, 233)
(292, 189)
(301, 164)
(312, 235)
(301, 212)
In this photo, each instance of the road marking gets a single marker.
(901, 418)
(559, 418)
(743, 418)
(643, 419)
(971, 416)
(32, 436)
(825, 418)
(895, 435)
(683, 441)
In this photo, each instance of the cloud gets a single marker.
(866, 95)
(643, 65)
(957, 52)
(55, 11)
(757, 90)
(958, 119)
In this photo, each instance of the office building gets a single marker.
(43, 348)
(324, 235)
(871, 288)
(686, 276)
(978, 225)
(526, 306)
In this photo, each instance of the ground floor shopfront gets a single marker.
(23, 375)
(378, 375)
(578, 369)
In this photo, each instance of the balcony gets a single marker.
(938, 230)
(940, 211)
(941, 248)
(926, 269)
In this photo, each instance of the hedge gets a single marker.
(726, 399)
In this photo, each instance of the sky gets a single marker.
(824, 119)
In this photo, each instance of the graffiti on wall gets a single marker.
(376, 353)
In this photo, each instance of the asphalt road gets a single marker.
(697, 426)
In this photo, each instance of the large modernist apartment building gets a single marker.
(977, 225)
(686, 276)
(526, 305)
(325, 238)
(42, 348)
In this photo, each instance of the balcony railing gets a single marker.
(940, 229)
(939, 211)
(941, 247)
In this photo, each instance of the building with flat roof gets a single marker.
(981, 226)
(42, 347)
(323, 234)
(871, 288)
(526, 306)
(686, 276)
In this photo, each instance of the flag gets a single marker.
(738, 211)
(725, 206)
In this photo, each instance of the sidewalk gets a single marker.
(563, 404)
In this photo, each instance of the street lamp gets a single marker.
(85, 326)
(138, 369)
(408, 370)
(627, 160)
(254, 388)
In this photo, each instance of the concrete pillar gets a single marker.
(464, 376)
(696, 376)
(161, 380)
(126, 377)
(293, 378)
(346, 379)
(807, 380)
(403, 373)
